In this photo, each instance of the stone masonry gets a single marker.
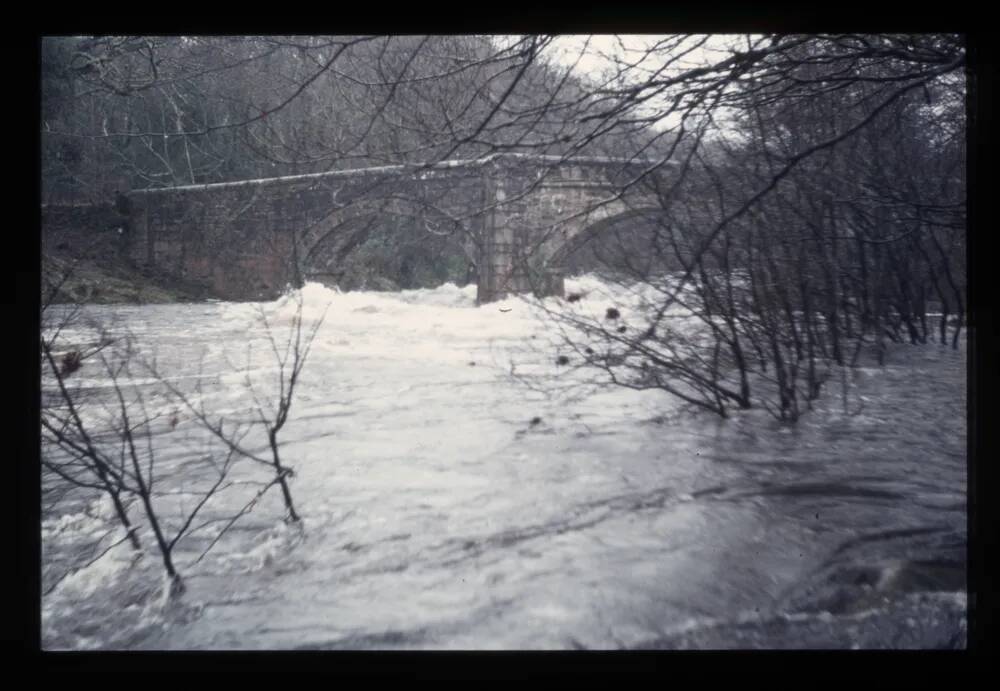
(515, 213)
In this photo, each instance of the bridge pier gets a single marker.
(508, 263)
(503, 274)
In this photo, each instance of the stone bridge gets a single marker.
(516, 215)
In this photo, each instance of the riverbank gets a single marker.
(109, 280)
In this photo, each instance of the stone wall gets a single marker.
(232, 240)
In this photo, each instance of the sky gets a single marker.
(600, 47)
(590, 56)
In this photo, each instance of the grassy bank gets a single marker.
(110, 280)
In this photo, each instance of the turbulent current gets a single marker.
(459, 490)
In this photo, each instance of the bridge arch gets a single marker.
(586, 231)
(589, 232)
(325, 247)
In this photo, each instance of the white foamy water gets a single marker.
(436, 515)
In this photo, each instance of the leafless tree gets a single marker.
(793, 242)
(271, 408)
(108, 444)
(106, 441)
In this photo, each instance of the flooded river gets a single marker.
(448, 505)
